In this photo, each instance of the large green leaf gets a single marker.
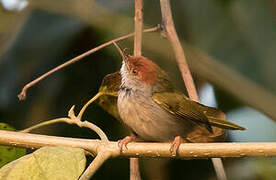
(9, 153)
(47, 163)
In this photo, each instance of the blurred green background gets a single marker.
(229, 43)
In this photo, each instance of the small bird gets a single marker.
(154, 111)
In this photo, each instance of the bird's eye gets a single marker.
(134, 71)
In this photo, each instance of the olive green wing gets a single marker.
(217, 118)
(181, 106)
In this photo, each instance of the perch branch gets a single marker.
(106, 149)
(23, 92)
(186, 150)
(184, 68)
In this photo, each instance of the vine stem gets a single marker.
(184, 68)
(88, 103)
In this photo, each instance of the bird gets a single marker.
(154, 110)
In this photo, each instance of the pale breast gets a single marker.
(147, 119)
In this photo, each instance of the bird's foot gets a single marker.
(123, 142)
(175, 144)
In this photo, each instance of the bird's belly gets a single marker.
(148, 120)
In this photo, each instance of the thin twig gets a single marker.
(92, 126)
(138, 21)
(72, 120)
(79, 116)
(88, 103)
(184, 68)
(178, 50)
(23, 93)
(45, 123)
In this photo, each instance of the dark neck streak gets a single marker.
(125, 89)
(130, 91)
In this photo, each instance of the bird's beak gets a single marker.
(125, 58)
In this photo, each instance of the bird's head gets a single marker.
(139, 69)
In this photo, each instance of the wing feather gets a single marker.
(182, 107)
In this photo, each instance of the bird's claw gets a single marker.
(175, 145)
(123, 142)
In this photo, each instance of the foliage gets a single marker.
(9, 153)
(47, 163)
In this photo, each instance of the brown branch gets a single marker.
(184, 68)
(106, 149)
(178, 50)
(138, 19)
(101, 157)
(22, 94)
(219, 168)
(134, 170)
(186, 150)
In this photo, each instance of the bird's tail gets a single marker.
(217, 118)
(224, 124)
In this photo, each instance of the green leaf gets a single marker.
(47, 163)
(110, 85)
(9, 153)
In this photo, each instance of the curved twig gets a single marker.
(45, 123)
(71, 120)
(75, 120)
(88, 103)
(23, 92)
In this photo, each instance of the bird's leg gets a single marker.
(176, 143)
(123, 142)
